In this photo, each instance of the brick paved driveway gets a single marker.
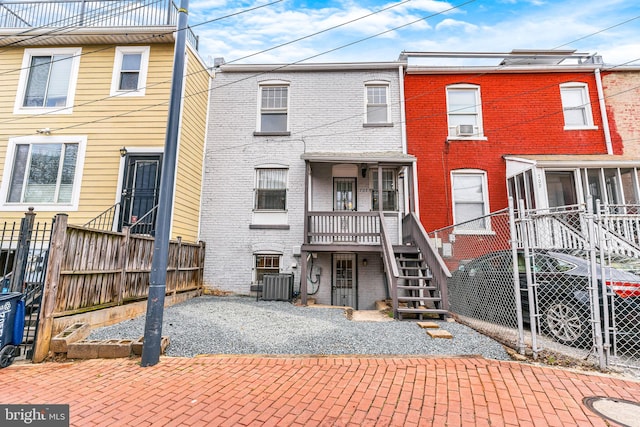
(327, 391)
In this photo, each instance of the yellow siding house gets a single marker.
(84, 98)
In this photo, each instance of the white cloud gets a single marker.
(455, 24)
(501, 25)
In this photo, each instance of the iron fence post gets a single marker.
(22, 251)
(516, 276)
(531, 285)
(593, 287)
(601, 243)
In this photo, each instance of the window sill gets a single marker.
(127, 93)
(377, 125)
(467, 138)
(581, 128)
(269, 227)
(41, 110)
(271, 133)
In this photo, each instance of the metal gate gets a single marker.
(575, 273)
(24, 249)
(344, 283)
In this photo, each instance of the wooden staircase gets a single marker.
(418, 295)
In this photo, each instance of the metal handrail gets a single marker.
(106, 219)
(146, 224)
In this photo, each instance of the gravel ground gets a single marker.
(242, 325)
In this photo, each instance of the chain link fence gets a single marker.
(483, 288)
(555, 280)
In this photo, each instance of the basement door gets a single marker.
(140, 188)
(344, 284)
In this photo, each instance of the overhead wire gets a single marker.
(302, 60)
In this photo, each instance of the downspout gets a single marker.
(403, 137)
(603, 112)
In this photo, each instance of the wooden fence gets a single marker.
(91, 269)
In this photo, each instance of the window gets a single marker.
(47, 80)
(44, 172)
(464, 112)
(377, 108)
(266, 264)
(271, 189)
(576, 106)
(274, 106)
(470, 201)
(389, 192)
(130, 71)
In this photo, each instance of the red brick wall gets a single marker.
(622, 97)
(521, 114)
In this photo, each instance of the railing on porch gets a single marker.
(623, 221)
(555, 228)
(67, 14)
(565, 228)
(344, 227)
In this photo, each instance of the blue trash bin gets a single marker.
(11, 326)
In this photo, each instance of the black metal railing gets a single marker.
(23, 263)
(106, 219)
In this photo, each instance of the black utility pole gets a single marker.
(158, 278)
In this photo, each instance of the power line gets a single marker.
(283, 66)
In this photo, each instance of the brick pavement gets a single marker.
(323, 391)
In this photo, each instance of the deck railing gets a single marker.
(623, 221)
(344, 227)
(68, 14)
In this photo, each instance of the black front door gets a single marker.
(140, 191)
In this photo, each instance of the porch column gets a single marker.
(380, 188)
(303, 254)
(303, 277)
(413, 189)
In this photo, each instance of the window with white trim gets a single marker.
(130, 71)
(377, 105)
(274, 108)
(43, 172)
(470, 200)
(464, 111)
(576, 106)
(47, 81)
(389, 190)
(271, 189)
(266, 264)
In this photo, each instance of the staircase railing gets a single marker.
(106, 219)
(414, 232)
(621, 223)
(390, 266)
(146, 224)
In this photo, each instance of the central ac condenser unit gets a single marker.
(277, 287)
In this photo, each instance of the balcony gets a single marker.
(22, 21)
(355, 228)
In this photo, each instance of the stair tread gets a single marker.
(418, 288)
(422, 310)
(406, 298)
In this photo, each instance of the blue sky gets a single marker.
(460, 26)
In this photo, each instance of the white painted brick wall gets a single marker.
(326, 112)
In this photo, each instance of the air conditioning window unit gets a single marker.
(464, 130)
